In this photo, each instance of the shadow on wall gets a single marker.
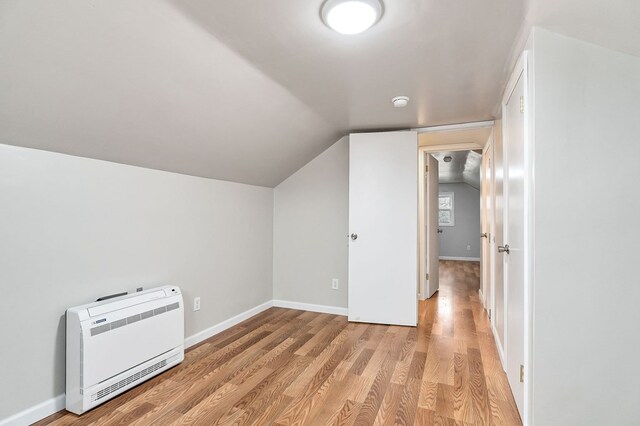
(59, 374)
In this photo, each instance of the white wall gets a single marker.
(310, 245)
(466, 230)
(73, 229)
(587, 201)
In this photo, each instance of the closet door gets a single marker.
(513, 250)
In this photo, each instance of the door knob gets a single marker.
(354, 237)
(483, 235)
(439, 231)
(503, 249)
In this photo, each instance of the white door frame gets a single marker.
(522, 69)
(422, 150)
(489, 215)
(422, 217)
(460, 126)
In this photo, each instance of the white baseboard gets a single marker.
(466, 259)
(53, 405)
(311, 307)
(222, 326)
(498, 345)
(35, 413)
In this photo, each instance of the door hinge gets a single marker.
(489, 311)
(427, 277)
(521, 373)
(521, 103)
(426, 169)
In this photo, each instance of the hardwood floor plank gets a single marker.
(277, 406)
(408, 402)
(478, 387)
(299, 410)
(369, 409)
(389, 407)
(346, 416)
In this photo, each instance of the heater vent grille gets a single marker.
(133, 318)
(128, 380)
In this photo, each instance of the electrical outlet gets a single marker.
(196, 304)
(334, 283)
(468, 246)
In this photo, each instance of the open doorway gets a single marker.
(452, 212)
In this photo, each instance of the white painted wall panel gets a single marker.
(586, 292)
(310, 230)
(73, 229)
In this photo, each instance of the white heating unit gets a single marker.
(115, 344)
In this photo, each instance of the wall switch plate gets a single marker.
(334, 283)
(196, 304)
(468, 246)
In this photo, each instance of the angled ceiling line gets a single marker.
(459, 126)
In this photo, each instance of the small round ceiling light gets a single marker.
(447, 158)
(351, 16)
(400, 101)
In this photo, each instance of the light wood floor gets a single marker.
(292, 367)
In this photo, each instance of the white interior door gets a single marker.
(383, 223)
(433, 238)
(514, 234)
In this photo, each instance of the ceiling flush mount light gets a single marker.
(400, 101)
(351, 16)
(447, 158)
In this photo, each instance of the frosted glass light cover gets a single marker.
(351, 16)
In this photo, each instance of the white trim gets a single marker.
(222, 326)
(35, 413)
(460, 126)
(489, 150)
(465, 259)
(498, 346)
(465, 146)
(335, 310)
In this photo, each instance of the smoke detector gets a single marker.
(400, 101)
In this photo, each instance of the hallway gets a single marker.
(463, 378)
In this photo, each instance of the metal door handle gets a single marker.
(483, 235)
(503, 249)
(439, 231)
(354, 237)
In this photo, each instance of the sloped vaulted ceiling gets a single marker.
(249, 91)
(137, 82)
(246, 91)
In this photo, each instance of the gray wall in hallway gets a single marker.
(454, 239)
